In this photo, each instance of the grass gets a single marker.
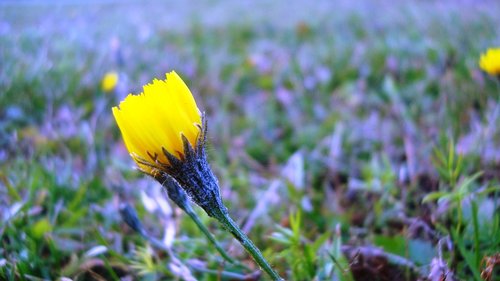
(351, 141)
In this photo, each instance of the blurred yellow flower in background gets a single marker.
(109, 81)
(156, 119)
(490, 61)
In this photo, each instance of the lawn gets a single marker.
(352, 140)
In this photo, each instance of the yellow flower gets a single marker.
(157, 119)
(490, 61)
(163, 131)
(109, 81)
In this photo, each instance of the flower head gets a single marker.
(157, 121)
(490, 61)
(109, 81)
(164, 132)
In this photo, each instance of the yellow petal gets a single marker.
(157, 118)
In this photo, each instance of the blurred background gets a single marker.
(353, 140)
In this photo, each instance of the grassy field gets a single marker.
(352, 141)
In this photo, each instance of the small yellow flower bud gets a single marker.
(109, 81)
(490, 61)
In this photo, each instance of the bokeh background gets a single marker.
(353, 140)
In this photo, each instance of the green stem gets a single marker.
(475, 225)
(235, 230)
(459, 215)
(226, 274)
(207, 233)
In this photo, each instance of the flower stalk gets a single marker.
(210, 237)
(179, 197)
(228, 223)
